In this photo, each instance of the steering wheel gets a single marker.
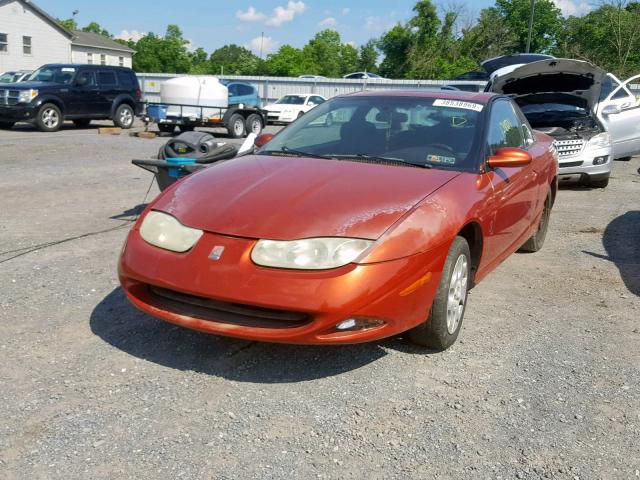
(442, 146)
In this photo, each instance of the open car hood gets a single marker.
(570, 78)
(283, 198)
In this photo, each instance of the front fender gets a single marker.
(436, 221)
(42, 99)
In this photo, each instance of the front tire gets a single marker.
(49, 118)
(442, 327)
(536, 241)
(124, 116)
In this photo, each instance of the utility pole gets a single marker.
(533, 6)
(261, 43)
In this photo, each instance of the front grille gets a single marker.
(224, 312)
(571, 164)
(9, 97)
(568, 148)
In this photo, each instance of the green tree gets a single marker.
(69, 23)
(94, 27)
(489, 37)
(547, 25)
(348, 58)
(289, 61)
(608, 37)
(324, 51)
(166, 54)
(396, 45)
(368, 57)
(199, 61)
(234, 60)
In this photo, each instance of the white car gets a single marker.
(291, 107)
(592, 115)
(363, 76)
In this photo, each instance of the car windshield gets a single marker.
(62, 75)
(422, 131)
(9, 77)
(292, 100)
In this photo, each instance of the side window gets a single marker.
(125, 81)
(106, 79)
(245, 90)
(317, 100)
(505, 128)
(87, 78)
(233, 90)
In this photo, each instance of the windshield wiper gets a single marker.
(295, 153)
(382, 158)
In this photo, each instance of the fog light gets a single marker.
(359, 324)
(600, 160)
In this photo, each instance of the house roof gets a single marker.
(84, 39)
(42, 14)
(88, 39)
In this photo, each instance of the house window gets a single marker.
(90, 58)
(121, 61)
(4, 42)
(26, 45)
(103, 59)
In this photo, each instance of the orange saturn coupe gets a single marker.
(371, 215)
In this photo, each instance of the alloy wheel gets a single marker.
(457, 293)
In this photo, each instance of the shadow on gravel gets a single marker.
(118, 323)
(621, 240)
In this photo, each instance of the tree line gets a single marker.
(430, 45)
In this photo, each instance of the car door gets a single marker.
(620, 113)
(107, 91)
(514, 188)
(83, 94)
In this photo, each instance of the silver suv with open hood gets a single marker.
(591, 114)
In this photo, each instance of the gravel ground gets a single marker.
(543, 382)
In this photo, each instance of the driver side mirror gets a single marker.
(263, 139)
(509, 157)
(611, 110)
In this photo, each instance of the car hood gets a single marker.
(284, 198)
(561, 76)
(28, 85)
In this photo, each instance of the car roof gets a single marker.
(478, 97)
(84, 65)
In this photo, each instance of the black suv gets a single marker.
(81, 93)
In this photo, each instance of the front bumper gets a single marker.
(281, 117)
(17, 113)
(584, 165)
(398, 292)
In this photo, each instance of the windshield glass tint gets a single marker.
(292, 100)
(53, 74)
(8, 77)
(425, 131)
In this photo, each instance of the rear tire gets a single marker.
(49, 118)
(236, 126)
(598, 183)
(536, 241)
(6, 125)
(253, 124)
(442, 327)
(124, 116)
(82, 123)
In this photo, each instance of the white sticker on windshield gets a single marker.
(443, 102)
(68, 69)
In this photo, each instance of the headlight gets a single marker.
(309, 254)
(166, 232)
(600, 140)
(26, 96)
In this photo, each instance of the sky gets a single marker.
(269, 24)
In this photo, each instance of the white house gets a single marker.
(29, 38)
